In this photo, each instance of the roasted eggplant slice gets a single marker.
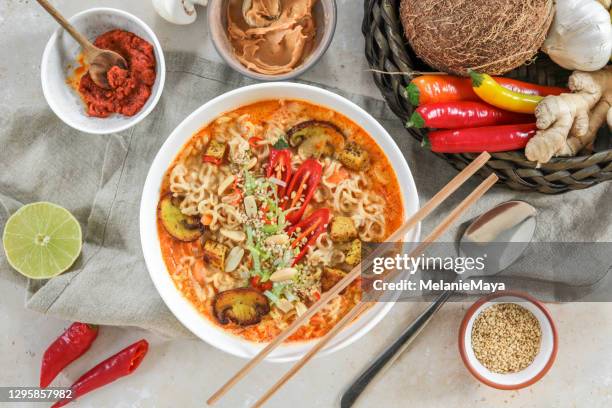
(179, 225)
(215, 253)
(330, 277)
(342, 229)
(353, 157)
(243, 306)
(353, 253)
(316, 138)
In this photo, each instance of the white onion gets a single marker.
(278, 182)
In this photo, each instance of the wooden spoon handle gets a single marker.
(80, 38)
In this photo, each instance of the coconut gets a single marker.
(492, 36)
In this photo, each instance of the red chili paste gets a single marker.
(130, 88)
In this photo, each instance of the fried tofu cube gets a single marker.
(214, 254)
(353, 156)
(342, 229)
(353, 253)
(215, 150)
(330, 277)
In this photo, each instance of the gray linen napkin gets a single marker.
(100, 179)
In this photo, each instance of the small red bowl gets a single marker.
(543, 360)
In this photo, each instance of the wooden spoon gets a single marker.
(99, 61)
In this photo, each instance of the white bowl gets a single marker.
(175, 301)
(543, 360)
(60, 58)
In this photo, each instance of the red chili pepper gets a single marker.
(279, 166)
(72, 344)
(309, 229)
(476, 140)
(463, 114)
(121, 364)
(259, 285)
(210, 159)
(427, 89)
(301, 189)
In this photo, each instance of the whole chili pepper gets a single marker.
(463, 114)
(476, 140)
(492, 92)
(279, 166)
(69, 346)
(301, 189)
(121, 364)
(427, 89)
(309, 229)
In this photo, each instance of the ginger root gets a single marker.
(569, 122)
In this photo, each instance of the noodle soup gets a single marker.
(266, 208)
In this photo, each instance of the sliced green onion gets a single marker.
(255, 255)
(270, 228)
(273, 298)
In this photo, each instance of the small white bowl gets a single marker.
(60, 58)
(543, 360)
(176, 302)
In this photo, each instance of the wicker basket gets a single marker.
(387, 50)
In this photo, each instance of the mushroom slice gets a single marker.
(233, 259)
(261, 13)
(178, 225)
(316, 138)
(243, 306)
(236, 236)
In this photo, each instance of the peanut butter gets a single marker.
(271, 36)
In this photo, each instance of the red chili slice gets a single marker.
(72, 344)
(253, 141)
(210, 159)
(121, 364)
(259, 285)
(279, 166)
(301, 189)
(309, 229)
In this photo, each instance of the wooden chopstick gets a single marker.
(423, 212)
(433, 236)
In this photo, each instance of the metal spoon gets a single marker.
(510, 222)
(99, 61)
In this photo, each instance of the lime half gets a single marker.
(42, 240)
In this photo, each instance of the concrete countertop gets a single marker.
(184, 373)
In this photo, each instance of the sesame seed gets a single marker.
(506, 338)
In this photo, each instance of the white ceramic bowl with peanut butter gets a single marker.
(272, 40)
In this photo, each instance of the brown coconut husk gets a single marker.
(492, 36)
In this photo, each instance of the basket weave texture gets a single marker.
(388, 54)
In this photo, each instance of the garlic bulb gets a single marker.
(178, 11)
(580, 37)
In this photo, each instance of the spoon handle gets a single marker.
(387, 357)
(80, 38)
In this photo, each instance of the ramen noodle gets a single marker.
(266, 208)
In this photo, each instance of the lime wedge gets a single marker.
(42, 240)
